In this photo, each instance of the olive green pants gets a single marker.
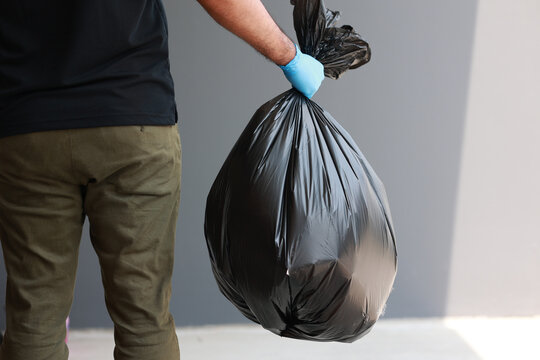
(126, 179)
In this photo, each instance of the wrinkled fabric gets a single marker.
(127, 181)
(297, 223)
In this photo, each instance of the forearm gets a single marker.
(249, 20)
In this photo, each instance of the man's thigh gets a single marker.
(41, 219)
(132, 206)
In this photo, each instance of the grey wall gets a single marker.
(407, 110)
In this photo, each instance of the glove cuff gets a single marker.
(292, 64)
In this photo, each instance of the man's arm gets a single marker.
(249, 20)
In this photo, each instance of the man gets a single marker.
(88, 127)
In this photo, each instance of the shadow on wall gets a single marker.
(407, 111)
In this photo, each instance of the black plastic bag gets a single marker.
(297, 224)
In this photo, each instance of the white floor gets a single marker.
(403, 339)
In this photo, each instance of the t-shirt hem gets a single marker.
(18, 128)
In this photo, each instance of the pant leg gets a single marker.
(132, 209)
(41, 219)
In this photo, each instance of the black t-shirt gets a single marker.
(83, 63)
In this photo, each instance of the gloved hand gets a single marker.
(304, 72)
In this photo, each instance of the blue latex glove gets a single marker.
(304, 72)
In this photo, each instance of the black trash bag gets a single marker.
(297, 223)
